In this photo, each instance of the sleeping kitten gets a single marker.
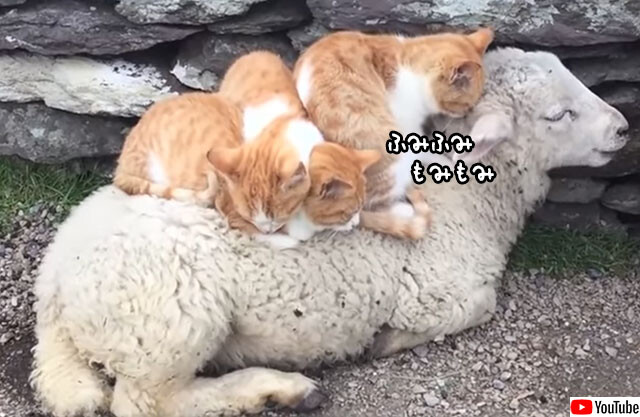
(190, 148)
(336, 197)
(262, 86)
(165, 152)
(357, 88)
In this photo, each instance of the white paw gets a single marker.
(349, 226)
(355, 220)
(419, 227)
(402, 209)
(278, 241)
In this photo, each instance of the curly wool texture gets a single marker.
(141, 274)
(155, 289)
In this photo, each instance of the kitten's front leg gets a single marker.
(403, 220)
(389, 223)
(279, 241)
(238, 223)
(234, 220)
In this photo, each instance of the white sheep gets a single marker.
(153, 289)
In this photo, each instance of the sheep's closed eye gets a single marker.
(560, 115)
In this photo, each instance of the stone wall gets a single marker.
(75, 74)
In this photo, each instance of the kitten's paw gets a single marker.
(404, 210)
(419, 204)
(418, 227)
(415, 194)
(428, 218)
(350, 225)
(278, 241)
(206, 197)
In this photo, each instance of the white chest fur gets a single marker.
(301, 227)
(411, 101)
(303, 135)
(256, 118)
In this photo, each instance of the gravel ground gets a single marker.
(550, 339)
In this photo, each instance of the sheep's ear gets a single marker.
(489, 131)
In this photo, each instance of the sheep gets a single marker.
(154, 290)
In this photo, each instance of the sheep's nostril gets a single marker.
(624, 126)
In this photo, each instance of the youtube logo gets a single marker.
(605, 406)
(581, 407)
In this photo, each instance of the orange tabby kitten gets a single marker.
(165, 152)
(336, 197)
(190, 148)
(262, 86)
(357, 88)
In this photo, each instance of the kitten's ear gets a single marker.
(366, 158)
(489, 131)
(462, 73)
(334, 188)
(481, 39)
(225, 160)
(296, 178)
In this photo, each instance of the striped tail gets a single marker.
(133, 184)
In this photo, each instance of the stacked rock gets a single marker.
(75, 74)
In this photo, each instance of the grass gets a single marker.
(554, 250)
(559, 252)
(24, 184)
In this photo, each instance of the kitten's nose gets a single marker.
(273, 227)
(264, 228)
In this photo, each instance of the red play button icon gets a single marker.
(581, 407)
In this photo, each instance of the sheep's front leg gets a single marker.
(390, 341)
(451, 316)
(244, 391)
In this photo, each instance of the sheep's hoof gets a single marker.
(311, 401)
(384, 343)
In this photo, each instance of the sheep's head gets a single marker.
(535, 102)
